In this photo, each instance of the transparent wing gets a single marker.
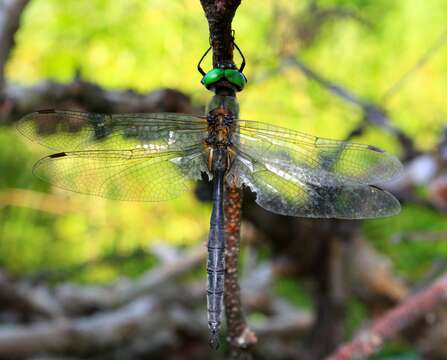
(137, 175)
(285, 194)
(313, 160)
(72, 130)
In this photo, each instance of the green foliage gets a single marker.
(413, 258)
(355, 316)
(295, 293)
(15, 162)
(394, 351)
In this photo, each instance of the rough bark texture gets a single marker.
(239, 334)
(219, 14)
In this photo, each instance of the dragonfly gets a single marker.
(154, 156)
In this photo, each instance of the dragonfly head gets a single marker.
(225, 75)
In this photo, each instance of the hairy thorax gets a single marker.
(219, 147)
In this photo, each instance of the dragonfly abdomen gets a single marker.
(216, 260)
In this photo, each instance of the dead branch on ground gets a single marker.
(393, 322)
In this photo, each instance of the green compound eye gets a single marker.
(236, 78)
(233, 76)
(212, 77)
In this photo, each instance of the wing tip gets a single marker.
(391, 206)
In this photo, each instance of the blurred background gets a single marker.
(370, 71)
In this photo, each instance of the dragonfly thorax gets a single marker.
(219, 159)
(218, 143)
(220, 127)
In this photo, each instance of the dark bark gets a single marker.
(83, 95)
(330, 300)
(219, 14)
(10, 14)
(239, 334)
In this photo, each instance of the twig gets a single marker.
(77, 298)
(16, 298)
(373, 113)
(429, 53)
(137, 326)
(91, 97)
(10, 13)
(341, 12)
(82, 334)
(219, 14)
(325, 83)
(239, 334)
(393, 322)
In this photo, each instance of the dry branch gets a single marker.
(219, 14)
(10, 14)
(80, 335)
(429, 53)
(16, 298)
(239, 334)
(84, 95)
(393, 322)
(373, 113)
(76, 299)
(143, 325)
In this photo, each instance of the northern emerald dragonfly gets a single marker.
(153, 157)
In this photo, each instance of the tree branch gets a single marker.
(10, 13)
(84, 95)
(82, 334)
(239, 334)
(372, 113)
(219, 14)
(393, 322)
(76, 299)
(424, 59)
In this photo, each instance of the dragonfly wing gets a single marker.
(134, 175)
(314, 160)
(72, 130)
(285, 194)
